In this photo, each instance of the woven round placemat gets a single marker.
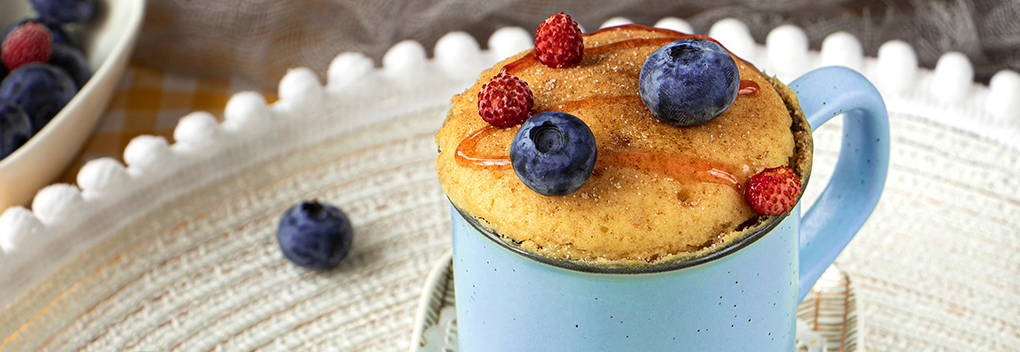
(205, 272)
(934, 267)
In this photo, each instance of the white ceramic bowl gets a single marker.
(107, 40)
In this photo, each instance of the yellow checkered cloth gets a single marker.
(149, 101)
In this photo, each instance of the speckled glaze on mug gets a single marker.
(742, 297)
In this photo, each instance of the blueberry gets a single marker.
(689, 82)
(15, 128)
(315, 235)
(64, 11)
(73, 61)
(553, 153)
(39, 89)
(59, 35)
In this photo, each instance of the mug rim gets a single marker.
(579, 266)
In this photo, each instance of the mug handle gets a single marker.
(856, 184)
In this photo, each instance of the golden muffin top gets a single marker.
(658, 191)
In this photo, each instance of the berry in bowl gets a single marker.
(61, 60)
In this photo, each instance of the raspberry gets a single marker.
(558, 41)
(773, 191)
(30, 42)
(505, 101)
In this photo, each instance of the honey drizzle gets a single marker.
(467, 154)
(631, 43)
(529, 59)
(632, 26)
(574, 105)
(678, 167)
(749, 88)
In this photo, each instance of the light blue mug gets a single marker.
(740, 298)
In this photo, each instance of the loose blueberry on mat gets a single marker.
(553, 153)
(73, 61)
(40, 89)
(315, 235)
(64, 11)
(15, 128)
(689, 82)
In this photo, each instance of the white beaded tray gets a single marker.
(933, 261)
